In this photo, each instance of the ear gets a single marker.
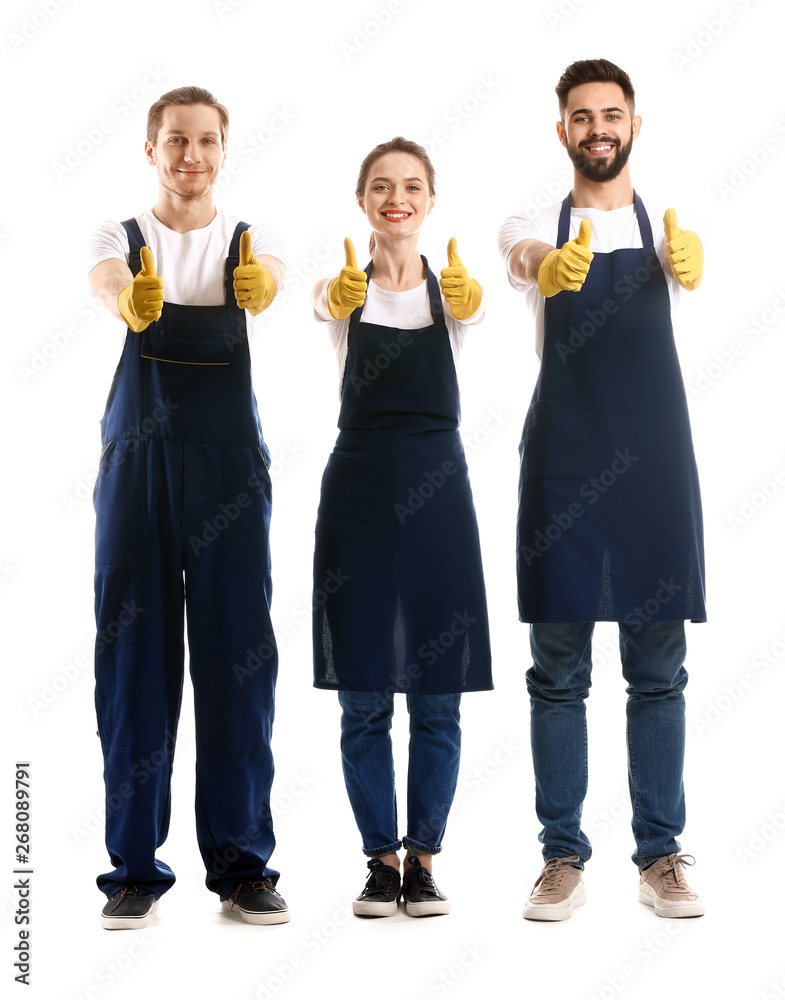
(561, 133)
(431, 201)
(636, 126)
(149, 152)
(361, 203)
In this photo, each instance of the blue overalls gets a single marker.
(182, 503)
(399, 594)
(609, 521)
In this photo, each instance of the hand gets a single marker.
(565, 270)
(254, 287)
(685, 253)
(462, 293)
(141, 302)
(346, 292)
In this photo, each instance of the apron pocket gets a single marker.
(556, 442)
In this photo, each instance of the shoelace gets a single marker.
(254, 885)
(379, 879)
(552, 874)
(673, 873)
(129, 890)
(424, 878)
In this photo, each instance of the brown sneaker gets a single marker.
(559, 888)
(664, 887)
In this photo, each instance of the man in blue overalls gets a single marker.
(182, 506)
(609, 521)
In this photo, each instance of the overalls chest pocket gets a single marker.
(185, 348)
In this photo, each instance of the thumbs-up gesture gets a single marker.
(685, 253)
(346, 292)
(565, 270)
(462, 293)
(254, 287)
(141, 302)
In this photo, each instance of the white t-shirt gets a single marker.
(614, 230)
(409, 310)
(192, 263)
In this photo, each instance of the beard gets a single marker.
(603, 169)
(185, 189)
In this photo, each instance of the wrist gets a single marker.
(470, 307)
(337, 310)
(545, 283)
(126, 310)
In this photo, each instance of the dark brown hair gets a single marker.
(184, 95)
(593, 71)
(396, 145)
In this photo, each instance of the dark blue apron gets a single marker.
(609, 518)
(183, 506)
(399, 594)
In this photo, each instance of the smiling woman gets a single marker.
(396, 515)
(415, 185)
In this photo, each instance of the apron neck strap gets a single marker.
(643, 221)
(564, 222)
(434, 295)
(640, 212)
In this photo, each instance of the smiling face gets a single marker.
(397, 197)
(598, 130)
(188, 152)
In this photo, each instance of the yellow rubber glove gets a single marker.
(565, 270)
(459, 290)
(141, 302)
(685, 253)
(346, 292)
(254, 287)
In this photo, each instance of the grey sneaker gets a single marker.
(558, 889)
(128, 909)
(664, 887)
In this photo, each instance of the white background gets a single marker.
(335, 81)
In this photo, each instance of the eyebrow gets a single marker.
(180, 131)
(589, 111)
(405, 178)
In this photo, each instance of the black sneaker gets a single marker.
(128, 908)
(379, 898)
(420, 893)
(258, 902)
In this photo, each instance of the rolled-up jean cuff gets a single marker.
(377, 852)
(549, 856)
(415, 845)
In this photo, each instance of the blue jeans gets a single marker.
(652, 658)
(434, 756)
